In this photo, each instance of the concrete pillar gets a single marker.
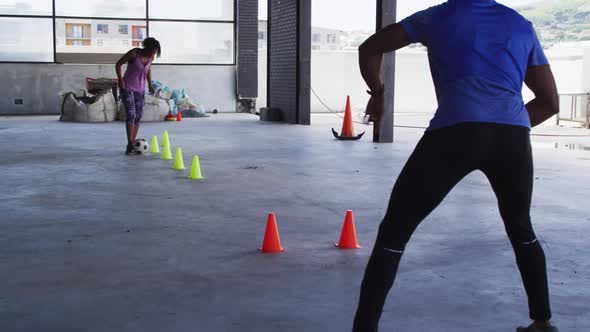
(386, 15)
(247, 55)
(289, 54)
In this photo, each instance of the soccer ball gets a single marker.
(141, 146)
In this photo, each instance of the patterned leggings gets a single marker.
(133, 102)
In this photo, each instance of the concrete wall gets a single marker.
(39, 84)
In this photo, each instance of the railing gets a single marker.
(577, 108)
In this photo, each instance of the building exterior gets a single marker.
(99, 36)
(262, 34)
(322, 39)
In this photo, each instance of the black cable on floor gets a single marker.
(329, 109)
(420, 127)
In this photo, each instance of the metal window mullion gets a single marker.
(93, 63)
(99, 18)
(192, 64)
(28, 62)
(24, 16)
(180, 20)
(235, 12)
(268, 45)
(54, 30)
(147, 19)
(297, 59)
(127, 19)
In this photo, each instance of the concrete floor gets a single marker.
(92, 240)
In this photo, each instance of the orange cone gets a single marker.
(271, 242)
(347, 130)
(178, 116)
(348, 235)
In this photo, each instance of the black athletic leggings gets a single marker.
(441, 159)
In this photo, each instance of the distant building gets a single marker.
(262, 34)
(101, 34)
(322, 39)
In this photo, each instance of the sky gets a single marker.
(360, 14)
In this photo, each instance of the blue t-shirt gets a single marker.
(479, 52)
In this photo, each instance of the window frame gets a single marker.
(145, 20)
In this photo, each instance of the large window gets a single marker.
(100, 8)
(195, 42)
(26, 39)
(335, 38)
(215, 10)
(26, 7)
(96, 31)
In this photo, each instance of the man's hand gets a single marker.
(152, 91)
(392, 38)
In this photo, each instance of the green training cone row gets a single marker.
(178, 160)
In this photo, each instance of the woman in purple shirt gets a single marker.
(132, 84)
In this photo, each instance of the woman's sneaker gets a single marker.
(129, 150)
(533, 328)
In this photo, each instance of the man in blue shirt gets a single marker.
(480, 53)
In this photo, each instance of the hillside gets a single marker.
(559, 20)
